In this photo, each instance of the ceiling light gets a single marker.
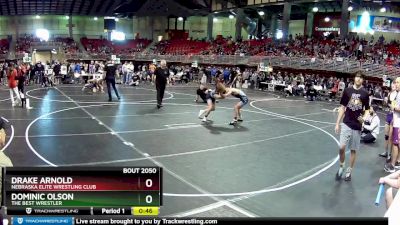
(315, 9)
(261, 13)
(279, 34)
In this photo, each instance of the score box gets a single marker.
(82, 187)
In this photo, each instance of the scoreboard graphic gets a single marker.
(105, 195)
(61, 191)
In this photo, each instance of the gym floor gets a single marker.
(280, 162)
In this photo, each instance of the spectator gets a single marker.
(353, 102)
(342, 85)
(4, 160)
(395, 107)
(2, 133)
(12, 84)
(370, 127)
(393, 181)
(311, 93)
(289, 90)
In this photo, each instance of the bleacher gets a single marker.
(185, 47)
(103, 46)
(24, 44)
(4, 46)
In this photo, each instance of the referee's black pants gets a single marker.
(111, 82)
(160, 86)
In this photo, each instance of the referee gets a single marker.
(161, 76)
(110, 70)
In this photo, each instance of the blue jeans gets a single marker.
(128, 78)
(123, 78)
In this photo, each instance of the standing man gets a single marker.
(110, 69)
(12, 84)
(354, 104)
(124, 69)
(57, 70)
(130, 70)
(92, 68)
(161, 76)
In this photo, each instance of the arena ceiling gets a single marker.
(96, 7)
(58, 7)
(128, 8)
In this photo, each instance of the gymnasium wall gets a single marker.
(197, 27)
(42, 56)
(388, 36)
(296, 27)
(57, 25)
(225, 27)
(145, 27)
(150, 27)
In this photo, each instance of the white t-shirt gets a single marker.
(392, 95)
(131, 68)
(203, 80)
(374, 125)
(318, 87)
(63, 70)
(342, 85)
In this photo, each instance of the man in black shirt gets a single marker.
(57, 69)
(161, 74)
(354, 104)
(110, 69)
